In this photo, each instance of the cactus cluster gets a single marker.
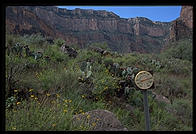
(86, 70)
(152, 62)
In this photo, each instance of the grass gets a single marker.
(44, 96)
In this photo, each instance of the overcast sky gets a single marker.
(154, 13)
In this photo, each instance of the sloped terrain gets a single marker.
(46, 92)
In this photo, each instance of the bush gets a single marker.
(54, 80)
(14, 68)
(170, 87)
(104, 84)
(59, 42)
(55, 54)
(85, 55)
(177, 66)
(180, 50)
(184, 110)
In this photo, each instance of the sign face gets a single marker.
(144, 80)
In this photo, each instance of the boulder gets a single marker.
(99, 120)
(160, 98)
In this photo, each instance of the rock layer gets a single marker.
(84, 27)
(183, 26)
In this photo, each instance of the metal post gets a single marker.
(146, 111)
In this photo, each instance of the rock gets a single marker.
(160, 98)
(183, 26)
(68, 50)
(81, 26)
(186, 15)
(99, 120)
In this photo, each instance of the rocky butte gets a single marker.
(84, 27)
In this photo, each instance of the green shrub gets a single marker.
(59, 42)
(55, 54)
(177, 66)
(84, 55)
(124, 117)
(180, 50)
(136, 98)
(101, 45)
(184, 110)
(58, 79)
(169, 86)
(14, 68)
(104, 83)
(108, 62)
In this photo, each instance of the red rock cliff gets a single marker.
(183, 26)
(83, 27)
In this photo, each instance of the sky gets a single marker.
(154, 13)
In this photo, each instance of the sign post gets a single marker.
(146, 111)
(144, 80)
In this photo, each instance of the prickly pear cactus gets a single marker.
(129, 72)
(86, 69)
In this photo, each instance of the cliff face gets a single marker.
(83, 27)
(183, 26)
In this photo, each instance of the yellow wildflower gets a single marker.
(32, 96)
(88, 116)
(105, 88)
(70, 101)
(83, 96)
(57, 95)
(15, 90)
(18, 103)
(65, 110)
(36, 98)
(13, 128)
(53, 101)
(48, 94)
(80, 110)
(65, 101)
(78, 118)
(97, 119)
(30, 90)
(93, 124)
(53, 125)
(66, 105)
(83, 113)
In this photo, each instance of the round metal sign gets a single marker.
(144, 80)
